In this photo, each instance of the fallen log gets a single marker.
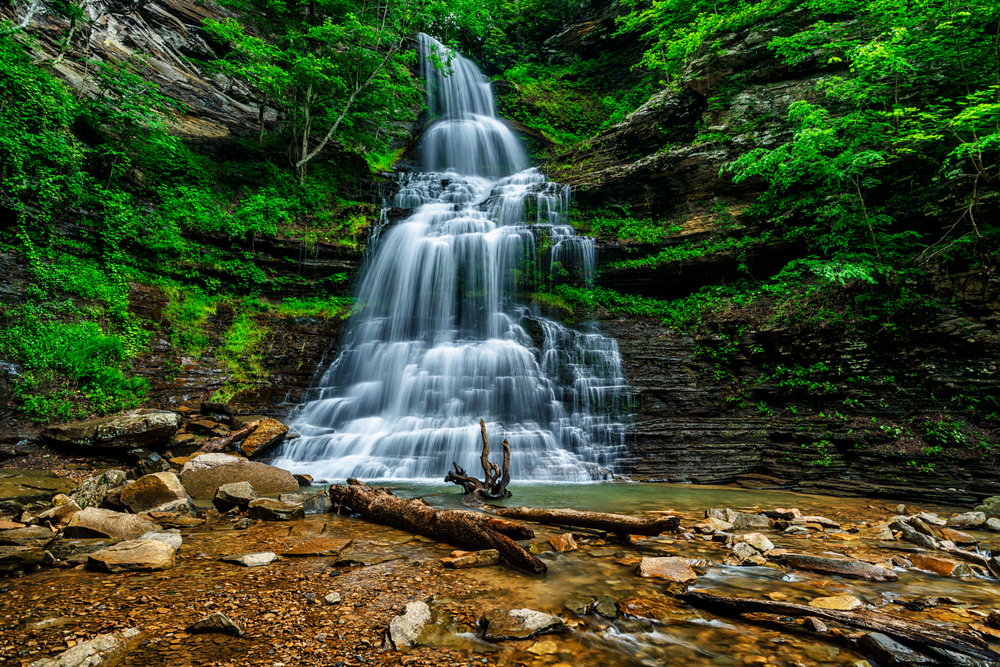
(219, 444)
(915, 632)
(472, 531)
(611, 523)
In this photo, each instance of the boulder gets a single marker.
(579, 604)
(739, 520)
(21, 487)
(519, 624)
(252, 560)
(204, 474)
(102, 650)
(756, 540)
(138, 428)
(992, 524)
(910, 534)
(59, 515)
(564, 542)
(93, 491)
(843, 567)
(15, 558)
(313, 502)
(268, 434)
(840, 602)
(606, 606)
(675, 570)
(133, 556)
(217, 623)
(967, 520)
(466, 559)
(405, 629)
(153, 491)
(268, 509)
(33, 536)
(171, 536)
(303, 480)
(990, 507)
(96, 522)
(237, 494)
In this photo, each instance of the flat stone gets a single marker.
(171, 537)
(757, 540)
(405, 629)
(890, 653)
(204, 474)
(579, 604)
(268, 509)
(672, 569)
(957, 536)
(268, 434)
(606, 606)
(10, 525)
(28, 486)
(656, 607)
(76, 551)
(216, 623)
(564, 542)
(138, 428)
(931, 519)
(879, 531)
(237, 494)
(841, 602)
(967, 520)
(109, 649)
(821, 520)
(319, 546)
(943, 567)
(155, 490)
(33, 536)
(313, 502)
(252, 560)
(133, 556)
(482, 558)
(92, 492)
(59, 515)
(519, 624)
(20, 558)
(96, 522)
(843, 567)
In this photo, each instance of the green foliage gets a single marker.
(186, 313)
(243, 350)
(325, 307)
(624, 226)
(693, 250)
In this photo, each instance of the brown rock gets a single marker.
(34, 536)
(103, 650)
(841, 602)
(27, 486)
(672, 569)
(319, 546)
(207, 427)
(879, 531)
(59, 515)
(204, 474)
(656, 607)
(151, 491)
(303, 480)
(519, 624)
(133, 556)
(139, 428)
(268, 509)
(943, 567)
(14, 558)
(96, 522)
(472, 559)
(269, 432)
(564, 542)
(957, 536)
(217, 622)
(10, 525)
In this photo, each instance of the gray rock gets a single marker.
(404, 630)
(139, 428)
(931, 519)
(990, 507)
(967, 520)
(217, 622)
(93, 491)
(237, 494)
(133, 556)
(912, 535)
(107, 649)
(821, 520)
(204, 474)
(332, 598)
(606, 606)
(252, 560)
(268, 509)
(13, 559)
(579, 604)
(519, 624)
(992, 524)
(890, 653)
(747, 555)
(757, 541)
(171, 536)
(179, 506)
(96, 522)
(316, 502)
(843, 567)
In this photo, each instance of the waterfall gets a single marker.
(440, 334)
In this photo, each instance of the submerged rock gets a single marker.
(96, 522)
(563, 542)
(102, 650)
(579, 604)
(841, 602)
(843, 567)
(519, 624)
(139, 428)
(466, 559)
(252, 560)
(27, 486)
(318, 546)
(887, 651)
(217, 622)
(14, 558)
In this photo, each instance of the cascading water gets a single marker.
(437, 340)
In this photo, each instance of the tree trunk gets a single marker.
(914, 632)
(612, 523)
(495, 485)
(464, 529)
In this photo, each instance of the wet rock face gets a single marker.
(139, 428)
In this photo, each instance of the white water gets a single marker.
(437, 339)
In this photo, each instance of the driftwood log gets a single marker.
(219, 444)
(913, 632)
(461, 528)
(495, 484)
(612, 523)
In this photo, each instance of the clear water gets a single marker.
(442, 334)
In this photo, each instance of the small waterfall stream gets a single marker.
(440, 335)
